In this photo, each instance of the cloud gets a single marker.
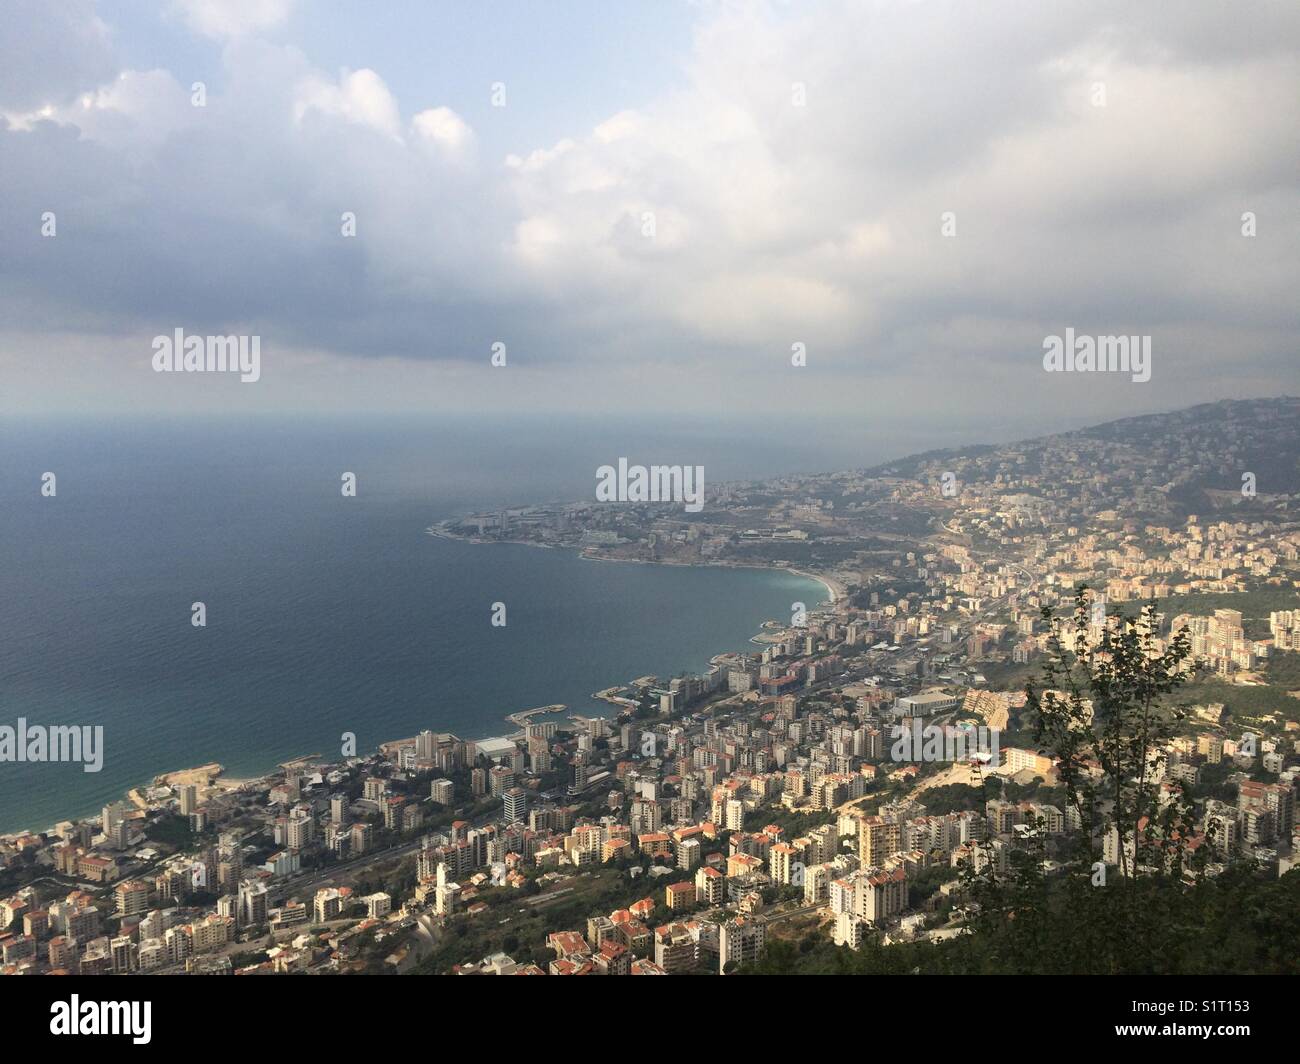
(790, 188)
(822, 221)
(50, 53)
(359, 96)
(232, 18)
(445, 131)
(137, 110)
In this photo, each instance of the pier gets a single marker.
(520, 719)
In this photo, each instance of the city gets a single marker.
(769, 799)
(722, 488)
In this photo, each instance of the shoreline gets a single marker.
(834, 592)
(833, 587)
(135, 794)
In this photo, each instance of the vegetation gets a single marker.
(1284, 670)
(171, 830)
(1254, 605)
(1238, 923)
(959, 797)
(517, 922)
(792, 824)
(1243, 701)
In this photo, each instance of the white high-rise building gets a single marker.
(740, 941)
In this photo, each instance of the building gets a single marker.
(394, 806)
(124, 955)
(676, 949)
(515, 802)
(782, 859)
(500, 780)
(339, 809)
(1016, 760)
(680, 897)
(925, 705)
(377, 905)
(688, 854)
(613, 958)
(132, 897)
(849, 930)
(252, 904)
(710, 886)
(1267, 811)
(62, 952)
(96, 869)
(330, 902)
(740, 941)
(870, 894)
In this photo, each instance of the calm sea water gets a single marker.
(325, 614)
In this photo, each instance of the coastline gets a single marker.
(835, 591)
(134, 795)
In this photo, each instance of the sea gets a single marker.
(328, 614)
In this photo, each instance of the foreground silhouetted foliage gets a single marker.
(1242, 922)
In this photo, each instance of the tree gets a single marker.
(1102, 713)
(1103, 706)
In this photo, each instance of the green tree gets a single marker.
(1104, 702)
(1102, 711)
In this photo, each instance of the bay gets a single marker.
(325, 614)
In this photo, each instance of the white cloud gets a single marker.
(137, 108)
(822, 221)
(359, 96)
(233, 18)
(443, 129)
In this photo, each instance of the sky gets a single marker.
(652, 206)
